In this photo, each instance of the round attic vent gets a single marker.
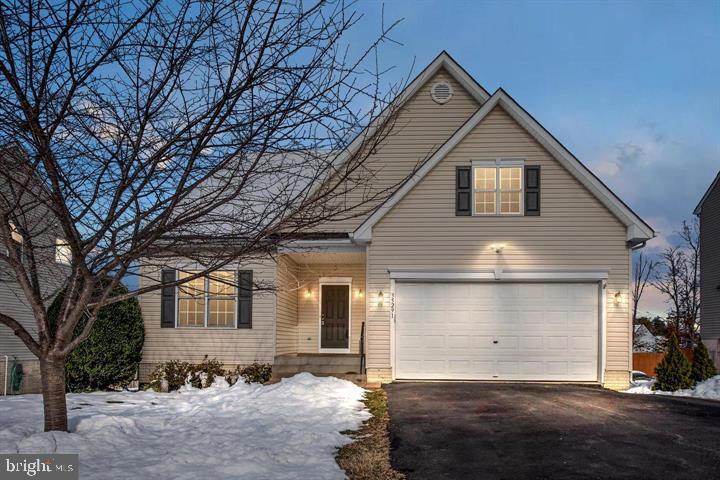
(441, 92)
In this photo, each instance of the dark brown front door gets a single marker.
(334, 316)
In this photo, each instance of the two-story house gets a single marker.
(501, 258)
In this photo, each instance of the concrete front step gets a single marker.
(340, 360)
(355, 378)
(317, 369)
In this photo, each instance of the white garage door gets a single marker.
(503, 331)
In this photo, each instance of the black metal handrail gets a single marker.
(362, 348)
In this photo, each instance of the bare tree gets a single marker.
(642, 272)
(678, 278)
(207, 130)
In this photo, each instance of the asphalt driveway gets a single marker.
(518, 431)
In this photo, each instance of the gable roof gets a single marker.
(637, 230)
(442, 61)
(707, 194)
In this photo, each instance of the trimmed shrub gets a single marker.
(175, 372)
(256, 373)
(673, 373)
(110, 356)
(703, 366)
(204, 373)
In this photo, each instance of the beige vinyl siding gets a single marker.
(14, 305)
(12, 298)
(286, 339)
(231, 346)
(309, 308)
(421, 127)
(574, 230)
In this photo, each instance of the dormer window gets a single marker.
(498, 187)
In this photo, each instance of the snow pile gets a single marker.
(709, 389)
(644, 340)
(289, 430)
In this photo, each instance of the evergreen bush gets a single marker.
(110, 356)
(674, 371)
(703, 366)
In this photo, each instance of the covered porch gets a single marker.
(321, 308)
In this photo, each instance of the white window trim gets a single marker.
(497, 164)
(206, 311)
(334, 281)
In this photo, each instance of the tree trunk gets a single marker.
(52, 372)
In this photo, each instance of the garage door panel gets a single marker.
(530, 293)
(459, 341)
(496, 331)
(532, 343)
(556, 343)
(506, 343)
(583, 343)
(481, 342)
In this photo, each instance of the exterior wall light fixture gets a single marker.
(497, 247)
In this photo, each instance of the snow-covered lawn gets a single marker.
(709, 389)
(289, 430)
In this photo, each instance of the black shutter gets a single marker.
(167, 302)
(462, 191)
(532, 190)
(245, 296)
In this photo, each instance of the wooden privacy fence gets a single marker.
(646, 362)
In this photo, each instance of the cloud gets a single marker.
(652, 303)
(665, 233)
(607, 168)
(629, 153)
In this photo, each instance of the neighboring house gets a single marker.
(708, 211)
(644, 341)
(502, 258)
(52, 257)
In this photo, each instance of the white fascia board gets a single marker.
(502, 275)
(343, 245)
(641, 231)
(429, 276)
(553, 275)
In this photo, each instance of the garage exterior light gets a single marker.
(497, 247)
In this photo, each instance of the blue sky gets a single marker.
(631, 88)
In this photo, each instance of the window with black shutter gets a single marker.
(463, 191)
(167, 302)
(245, 297)
(532, 190)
